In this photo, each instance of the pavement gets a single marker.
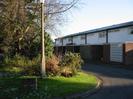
(117, 82)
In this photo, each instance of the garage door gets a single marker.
(116, 52)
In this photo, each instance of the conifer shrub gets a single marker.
(70, 64)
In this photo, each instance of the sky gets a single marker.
(92, 14)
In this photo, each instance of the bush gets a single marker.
(67, 65)
(1, 58)
(52, 67)
(27, 66)
(33, 66)
(73, 63)
(17, 61)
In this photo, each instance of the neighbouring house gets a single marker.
(108, 44)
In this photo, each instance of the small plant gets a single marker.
(66, 72)
(73, 63)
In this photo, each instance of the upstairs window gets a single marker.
(69, 39)
(61, 40)
(131, 32)
(102, 34)
(91, 34)
(114, 30)
(82, 37)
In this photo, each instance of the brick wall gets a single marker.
(128, 53)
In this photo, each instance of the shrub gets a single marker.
(27, 66)
(72, 61)
(6, 60)
(32, 67)
(52, 67)
(20, 61)
(1, 58)
(67, 65)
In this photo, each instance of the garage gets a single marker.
(116, 53)
(85, 52)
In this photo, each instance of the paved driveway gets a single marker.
(117, 83)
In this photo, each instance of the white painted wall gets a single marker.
(78, 41)
(95, 39)
(121, 36)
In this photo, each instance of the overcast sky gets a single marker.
(93, 14)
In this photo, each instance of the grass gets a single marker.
(49, 87)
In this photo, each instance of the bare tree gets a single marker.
(54, 10)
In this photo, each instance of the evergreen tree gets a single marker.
(49, 46)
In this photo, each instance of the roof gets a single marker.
(126, 24)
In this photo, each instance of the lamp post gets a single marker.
(43, 68)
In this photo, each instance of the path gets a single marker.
(117, 83)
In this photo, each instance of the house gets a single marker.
(108, 44)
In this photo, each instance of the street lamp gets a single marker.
(43, 67)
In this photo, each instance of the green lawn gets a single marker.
(51, 87)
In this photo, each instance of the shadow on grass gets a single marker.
(49, 88)
(12, 88)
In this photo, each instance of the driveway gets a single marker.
(117, 82)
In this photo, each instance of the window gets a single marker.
(114, 30)
(131, 27)
(60, 40)
(69, 39)
(92, 34)
(131, 32)
(102, 34)
(82, 37)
